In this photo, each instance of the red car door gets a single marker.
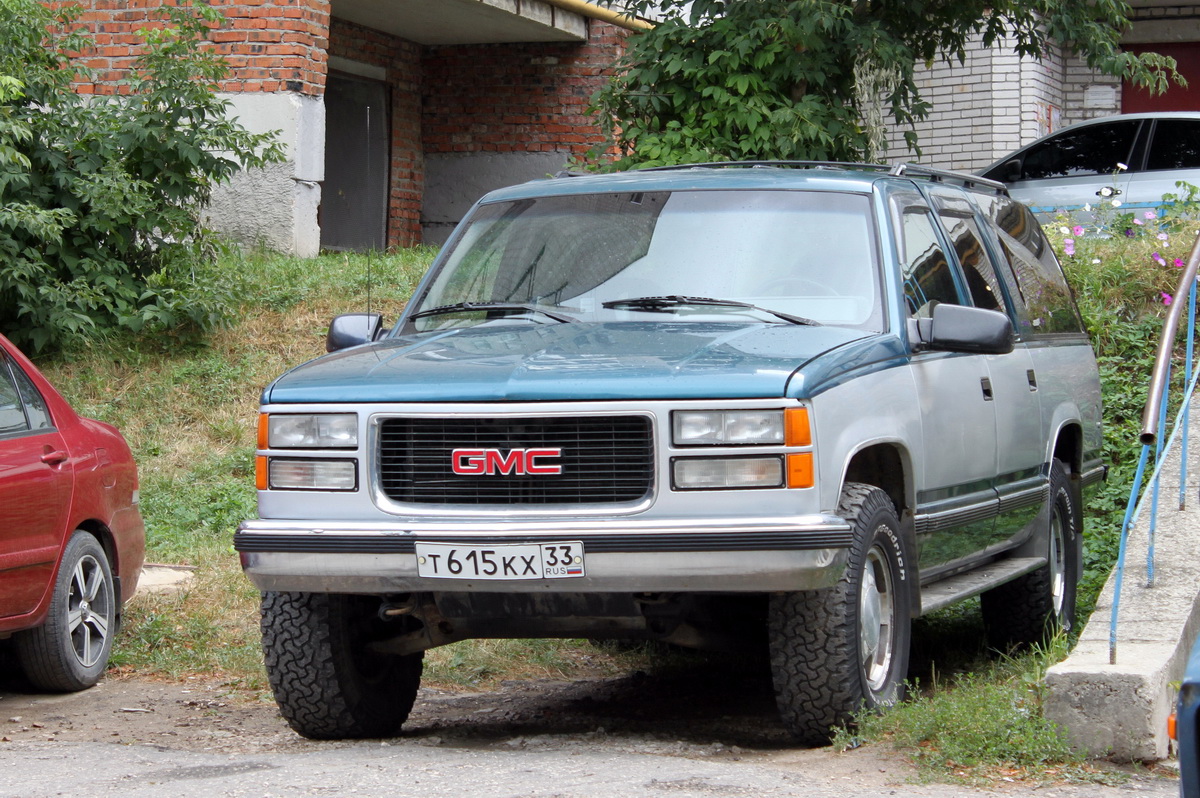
(35, 493)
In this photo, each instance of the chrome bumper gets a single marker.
(712, 555)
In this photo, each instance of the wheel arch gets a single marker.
(100, 531)
(888, 465)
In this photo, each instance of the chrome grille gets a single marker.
(604, 459)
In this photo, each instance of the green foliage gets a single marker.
(1125, 268)
(719, 80)
(100, 196)
(980, 728)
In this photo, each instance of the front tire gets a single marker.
(1033, 608)
(837, 651)
(70, 650)
(328, 683)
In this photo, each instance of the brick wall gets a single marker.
(402, 61)
(271, 45)
(516, 97)
(983, 108)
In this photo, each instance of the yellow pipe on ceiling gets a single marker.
(594, 11)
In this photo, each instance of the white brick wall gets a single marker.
(996, 102)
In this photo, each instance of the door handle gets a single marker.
(53, 457)
(986, 384)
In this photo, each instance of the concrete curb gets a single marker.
(1121, 710)
(157, 578)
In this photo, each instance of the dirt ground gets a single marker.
(689, 713)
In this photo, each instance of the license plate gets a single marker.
(515, 561)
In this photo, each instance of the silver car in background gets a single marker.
(1131, 159)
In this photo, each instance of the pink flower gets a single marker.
(1166, 298)
(1150, 215)
(1077, 230)
(1138, 221)
(1159, 259)
(1179, 264)
(1069, 246)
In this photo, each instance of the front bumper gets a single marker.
(689, 555)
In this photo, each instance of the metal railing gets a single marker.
(1153, 428)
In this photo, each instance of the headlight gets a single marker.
(723, 427)
(311, 431)
(296, 474)
(709, 473)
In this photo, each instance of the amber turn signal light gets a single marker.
(800, 470)
(796, 429)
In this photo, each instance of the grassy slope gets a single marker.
(189, 414)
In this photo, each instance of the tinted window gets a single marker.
(977, 267)
(1176, 145)
(1091, 151)
(926, 272)
(12, 414)
(1041, 286)
(35, 405)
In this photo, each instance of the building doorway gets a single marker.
(354, 196)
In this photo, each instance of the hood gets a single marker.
(518, 361)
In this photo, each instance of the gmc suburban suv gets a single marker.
(784, 404)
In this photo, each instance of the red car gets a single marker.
(72, 540)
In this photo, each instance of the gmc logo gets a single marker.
(491, 462)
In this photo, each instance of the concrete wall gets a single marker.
(276, 207)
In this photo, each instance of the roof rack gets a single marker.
(964, 179)
(860, 167)
(946, 175)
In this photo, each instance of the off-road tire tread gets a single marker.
(1020, 613)
(307, 652)
(42, 651)
(814, 643)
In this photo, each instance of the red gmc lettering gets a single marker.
(493, 461)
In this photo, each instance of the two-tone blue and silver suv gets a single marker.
(792, 404)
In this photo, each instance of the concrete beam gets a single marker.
(1120, 710)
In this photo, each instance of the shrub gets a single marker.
(100, 196)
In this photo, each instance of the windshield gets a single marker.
(810, 255)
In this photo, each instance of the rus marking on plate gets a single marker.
(558, 560)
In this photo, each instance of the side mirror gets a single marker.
(1012, 170)
(352, 329)
(958, 328)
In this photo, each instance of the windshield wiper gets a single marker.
(503, 307)
(669, 303)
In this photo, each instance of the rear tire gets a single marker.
(837, 651)
(328, 683)
(70, 650)
(1033, 608)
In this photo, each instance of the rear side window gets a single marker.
(1176, 145)
(1041, 286)
(976, 265)
(1093, 150)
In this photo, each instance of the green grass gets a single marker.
(189, 410)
